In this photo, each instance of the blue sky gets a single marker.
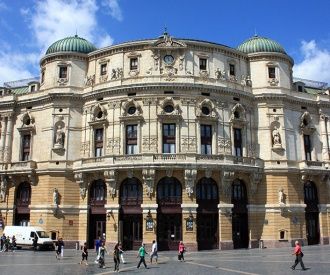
(28, 27)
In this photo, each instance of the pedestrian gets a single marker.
(299, 254)
(13, 243)
(116, 257)
(35, 242)
(84, 254)
(142, 252)
(182, 250)
(121, 253)
(154, 252)
(59, 248)
(98, 243)
(3, 239)
(62, 248)
(7, 244)
(103, 250)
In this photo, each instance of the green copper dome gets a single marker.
(257, 44)
(71, 44)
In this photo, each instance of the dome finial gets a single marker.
(255, 32)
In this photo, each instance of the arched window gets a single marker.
(238, 194)
(97, 192)
(131, 192)
(169, 191)
(206, 190)
(23, 195)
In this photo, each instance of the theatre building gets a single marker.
(167, 139)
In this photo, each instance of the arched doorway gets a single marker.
(130, 221)
(97, 212)
(169, 213)
(240, 224)
(311, 213)
(22, 202)
(207, 214)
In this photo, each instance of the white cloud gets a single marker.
(104, 41)
(114, 9)
(3, 6)
(315, 64)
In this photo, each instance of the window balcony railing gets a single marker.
(125, 201)
(97, 202)
(23, 165)
(171, 200)
(22, 203)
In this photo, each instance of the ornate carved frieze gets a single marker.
(227, 178)
(116, 73)
(90, 80)
(110, 179)
(170, 109)
(149, 144)
(205, 109)
(169, 172)
(113, 145)
(273, 82)
(62, 81)
(306, 123)
(190, 177)
(238, 116)
(252, 150)
(221, 75)
(188, 144)
(98, 114)
(84, 148)
(80, 178)
(131, 110)
(246, 80)
(149, 179)
(224, 145)
(169, 72)
(103, 78)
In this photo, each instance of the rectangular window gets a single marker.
(43, 76)
(133, 64)
(232, 69)
(131, 139)
(33, 88)
(271, 72)
(202, 64)
(103, 69)
(238, 142)
(169, 138)
(308, 147)
(26, 142)
(206, 139)
(300, 88)
(98, 142)
(63, 72)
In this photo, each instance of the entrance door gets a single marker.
(207, 231)
(132, 231)
(240, 230)
(240, 225)
(312, 227)
(169, 231)
(97, 227)
(311, 213)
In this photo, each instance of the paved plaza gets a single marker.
(248, 262)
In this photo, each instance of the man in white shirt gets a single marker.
(154, 251)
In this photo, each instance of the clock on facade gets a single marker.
(168, 59)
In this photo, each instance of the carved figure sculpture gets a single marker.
(59, 138)
(281, 196)
(276, 138)
(3, 188)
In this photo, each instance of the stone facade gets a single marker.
(133, 84)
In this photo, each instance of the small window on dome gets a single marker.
(131, 110)
(104, 69)
(205, 110)
(133, 64)
(43, 76)
(63, 73)
(232, 69)
(168, 109)
(271, 72)
(202, 64)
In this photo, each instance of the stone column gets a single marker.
(189, 233)
(149, 221)
(8, 142)
(225, 226)
(324, 138)
(3, 137)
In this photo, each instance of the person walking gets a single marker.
(35, 242)
(121, 253)
(59, 248)
(3, 239)
(142, 252)
(182, 249)
(84, 254)
(13, 243)
(299, 254)
(7, 244)
(116, 256)
(98, 243)
(154, 252)
(102, 252)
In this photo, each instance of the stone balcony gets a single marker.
(22, 167)
(164, 160)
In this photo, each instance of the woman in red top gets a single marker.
(297, 251)
(181, 251)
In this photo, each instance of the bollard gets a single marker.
(77, 245)
(261, 244)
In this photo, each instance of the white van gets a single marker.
(25, 234)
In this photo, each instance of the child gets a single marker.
(84, 254)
